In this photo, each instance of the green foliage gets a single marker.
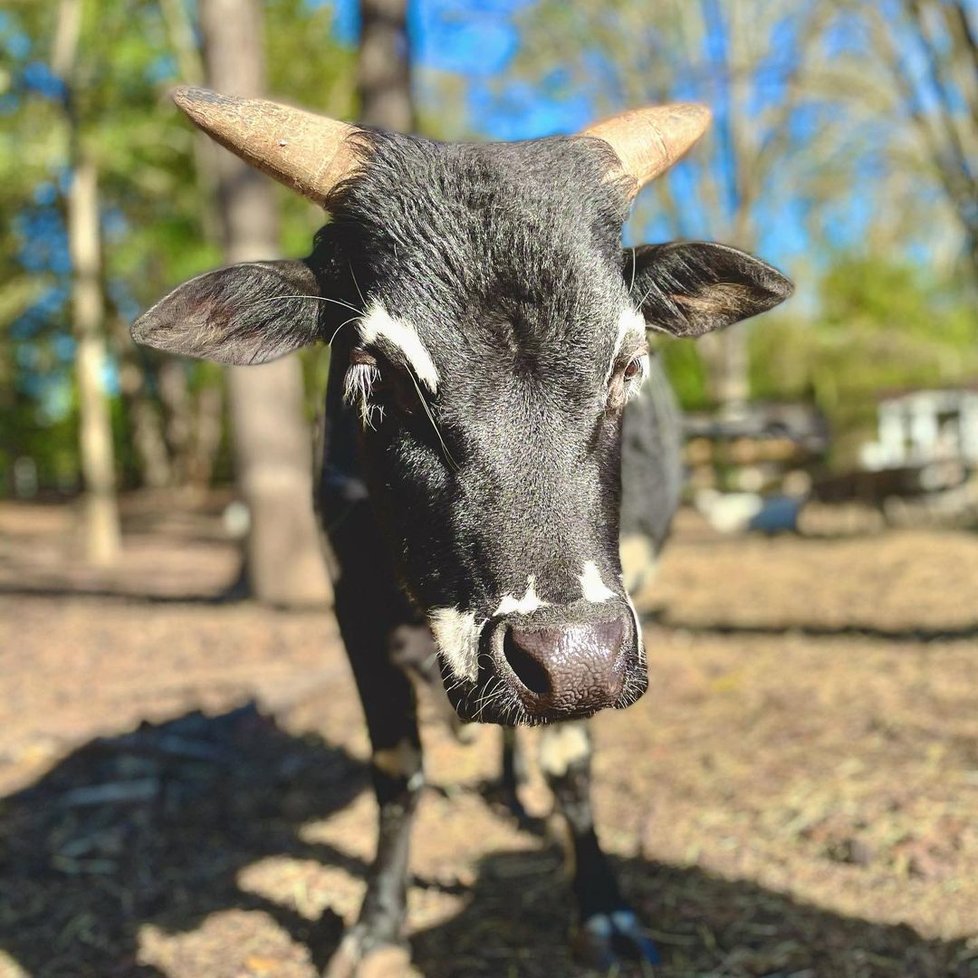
(156, 208)
(687, 372)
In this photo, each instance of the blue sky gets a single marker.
(477, 41)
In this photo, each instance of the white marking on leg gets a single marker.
(377, 323)
(413, 644)
(401, 761)
(563, 744)
(457, 637)
(624, 920)
(593, 588)
(599, 925)
(525, 605)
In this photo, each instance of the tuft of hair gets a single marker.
(358, 385)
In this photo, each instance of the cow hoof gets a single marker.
(352, 960)
(608, 939)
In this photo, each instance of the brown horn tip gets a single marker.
(648, 141)
(308, 153)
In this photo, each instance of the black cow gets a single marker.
(487, 332)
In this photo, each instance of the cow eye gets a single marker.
(362, 358)
(635, 369)
(626, 381)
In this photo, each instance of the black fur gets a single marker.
(504, 258)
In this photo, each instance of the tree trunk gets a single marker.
(733, 383)
(384, 66)
(284, 564)
(171, 381)
(208, 412)
(100, 512)
(144, 424)
(101, 515)
(180, 29)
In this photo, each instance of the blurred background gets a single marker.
(180, 754)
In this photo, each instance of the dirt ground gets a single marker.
(183, 790)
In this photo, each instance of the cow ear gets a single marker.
(689, 288)
(244, 314)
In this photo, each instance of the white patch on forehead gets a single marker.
(630, 323)
(377, 323)
(592, 587)
(525, 605)
(457, 637)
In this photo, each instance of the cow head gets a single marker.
(488, 330)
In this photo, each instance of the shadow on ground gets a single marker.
(516, 924)
(153, 827)
(814, 630)
(229, 595)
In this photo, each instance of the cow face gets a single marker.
(487, 330)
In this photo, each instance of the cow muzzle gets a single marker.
(539, 669)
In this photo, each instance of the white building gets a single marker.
(923, 427)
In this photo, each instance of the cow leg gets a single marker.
(413, 649)
(513, 777)
(608, 929)
(374, 945)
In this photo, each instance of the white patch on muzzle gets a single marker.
(593, 588)
(378, 323)
(457, 637)
(525, 605)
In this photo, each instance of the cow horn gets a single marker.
(649, 141)
(308, 153)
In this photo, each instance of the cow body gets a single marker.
(652, 477)
(472, 482)
(377, 620)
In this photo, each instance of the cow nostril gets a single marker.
(528, 670)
